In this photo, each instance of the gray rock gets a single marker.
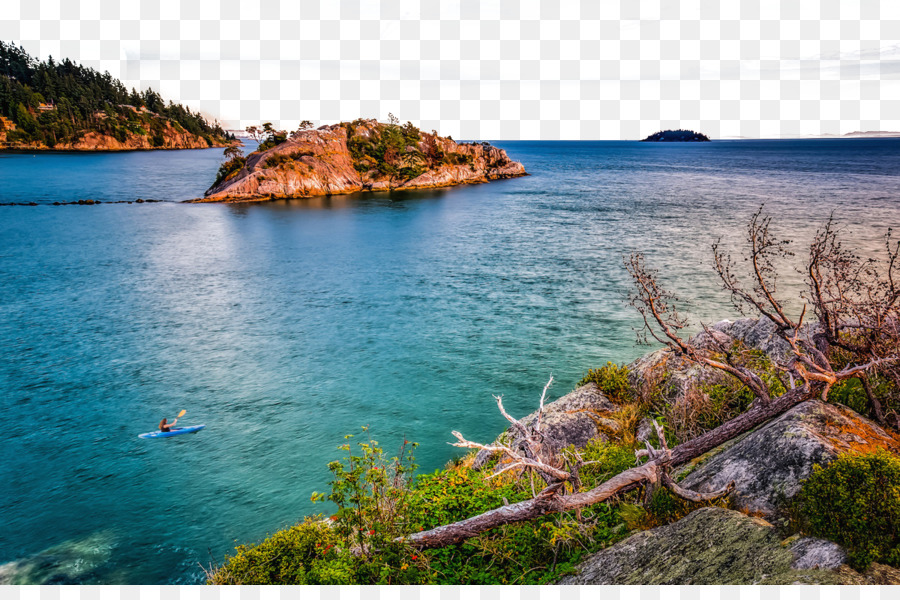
(815, 553)
(769, 464)
(645, 430)
(570, 420)
(711, 546)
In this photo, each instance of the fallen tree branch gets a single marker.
(550, 501)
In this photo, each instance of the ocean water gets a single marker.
(284, 326)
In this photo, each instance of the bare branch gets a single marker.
(692, 496)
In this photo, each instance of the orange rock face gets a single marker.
(173, 139)
(319, 163)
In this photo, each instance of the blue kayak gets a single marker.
(170, 433)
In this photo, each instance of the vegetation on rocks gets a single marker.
(762, 412)
(55, 104)
(378, 500)
(676, 135)
(855, 501)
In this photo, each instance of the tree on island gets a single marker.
(53, 102)
(676, 135)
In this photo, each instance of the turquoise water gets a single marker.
(283, 326)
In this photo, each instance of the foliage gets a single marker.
(677, 135)
(229, 169)
(377, 501)
(276, 160)
(612, 380)
(663, 508)
(305, 553)
(459, 158)
(855, 501)
(54, 102)
(267, 136)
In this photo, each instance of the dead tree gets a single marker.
(554, 497)
(855, 300)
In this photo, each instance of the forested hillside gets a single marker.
(64, 105)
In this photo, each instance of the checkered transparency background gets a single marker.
(496, 69)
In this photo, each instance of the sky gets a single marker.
(496, 69)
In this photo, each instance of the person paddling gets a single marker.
(165, 427)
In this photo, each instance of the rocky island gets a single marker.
(676, 135)
(358, 156)
(64, 106)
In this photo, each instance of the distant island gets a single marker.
(64, 106)
(872, 134)
(676, 135)
(362, 155)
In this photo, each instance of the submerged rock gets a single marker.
(769, 464)
(714, 546)
(74, 561)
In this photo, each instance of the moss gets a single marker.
(710, 546)
(613, 380)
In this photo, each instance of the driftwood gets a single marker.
(856, 302)
(549, 500)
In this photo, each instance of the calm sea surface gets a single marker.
(284, 326)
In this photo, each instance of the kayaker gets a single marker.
(164, 426)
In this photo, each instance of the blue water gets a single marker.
(283, 326)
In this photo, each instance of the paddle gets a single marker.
(181, 414)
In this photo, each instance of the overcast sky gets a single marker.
(496, 69)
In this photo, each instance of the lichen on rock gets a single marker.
(714, 546)
(769, 464)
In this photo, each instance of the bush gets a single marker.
(377, 501)
(307, 553)
(229, 169)
(612, 380)
(855, 501)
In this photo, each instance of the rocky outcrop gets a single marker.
(675, 377)
(319, 163)
(172, 138)
(768, 465)
(715, 546)
(573, 419)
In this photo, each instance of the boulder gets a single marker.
(768, 465)
(715, 546)
(573, 419)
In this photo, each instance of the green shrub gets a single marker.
(612, 380)
(307, 553)
(855, 501)
(229, 169)
(459, 158)
(377, 501)
(276, 160)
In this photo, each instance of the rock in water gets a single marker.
(335, 159)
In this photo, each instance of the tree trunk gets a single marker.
(549, 500)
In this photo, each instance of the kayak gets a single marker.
(171, 432)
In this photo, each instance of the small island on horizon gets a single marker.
(676, 135)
